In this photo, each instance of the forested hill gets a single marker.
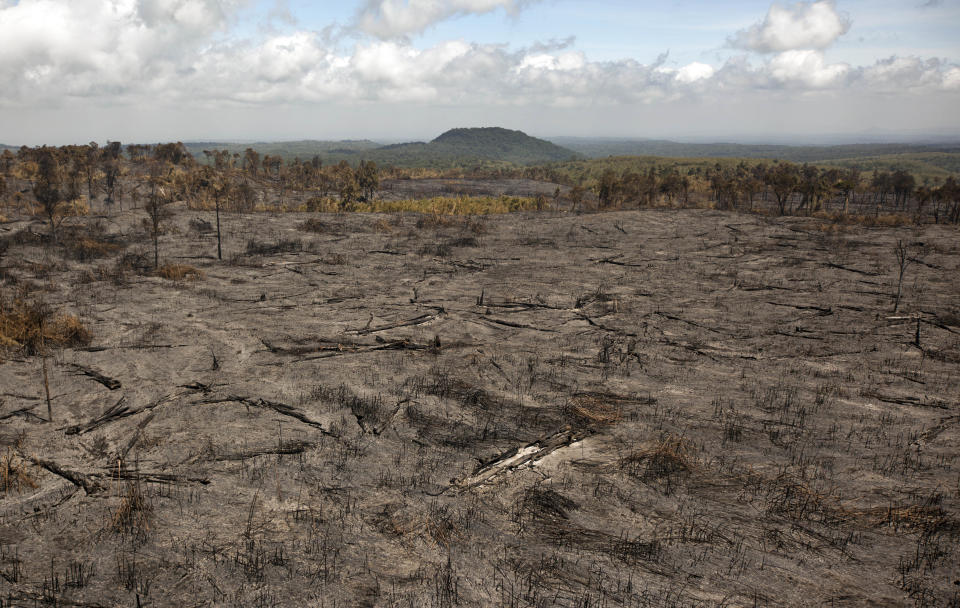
(602, 147)
(455, 148)
(460, 146)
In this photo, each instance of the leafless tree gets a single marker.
(903, 260)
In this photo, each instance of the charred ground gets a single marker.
(635, 408)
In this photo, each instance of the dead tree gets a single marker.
(903, 260)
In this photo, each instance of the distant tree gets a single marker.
(110, 164)
(243, 197)
(173, 153)
(212, 184)
(882, 185)
(607, 187)
(251, 162)
(138, 153)
(158, 197)
(947, 197)
(368, 179)
(846, 184)
(782, 180)
(6, 162)
(576, 197)
(903, 184)
(91, 159)
(811, 186)
(48, 186)
(346, 180)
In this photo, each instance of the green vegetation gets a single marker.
(598, 148)
(928, 168)
(929, 163)
(328, 151)
(488, 148)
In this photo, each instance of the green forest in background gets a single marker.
(495, 150)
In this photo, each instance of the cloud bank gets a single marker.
(182, 54)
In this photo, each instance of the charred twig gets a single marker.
(115, 412)
(593, 323)
(81, 480)
(281, 408)
(26, 412)
(688, 322)
(517, 325)
(151, 477)
(296, 447)
(823, 311)
(856, 270)
(107, 381)
(420, 320)
(912, 401)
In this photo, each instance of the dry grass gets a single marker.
(666, 461)
(597, 409)
(313, 225)
(132, 513)
(180, 272)
(85, 248)
(14, 476)
(77, 207)
(32, 325)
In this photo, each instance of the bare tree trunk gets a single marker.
(219, 249)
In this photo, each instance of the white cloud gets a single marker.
(951, 79)
(175, 53)
(694, 71)
(398, 18)
(807, 68)
(898, 74)
(94, 47)
(804, 25)
(545, 61)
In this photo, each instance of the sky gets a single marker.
(73, 71)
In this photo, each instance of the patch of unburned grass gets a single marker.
(180, 272)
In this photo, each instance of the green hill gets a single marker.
(455, 148)
(469, 146)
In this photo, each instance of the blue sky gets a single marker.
(80, 70)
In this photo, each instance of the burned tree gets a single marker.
(48, 186)
(110, 163)
(158, 196)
